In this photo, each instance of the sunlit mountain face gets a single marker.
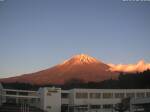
(81, 67)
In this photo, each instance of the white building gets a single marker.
(50, 99)
(47, 99)
(140, 105)
(100, 100)
(74, 100)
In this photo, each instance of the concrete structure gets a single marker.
(140, 105)
(20, 96)
(100, 100)
(47, 99)
(75, 100)
(50, 99)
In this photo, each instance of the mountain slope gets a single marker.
(82, 67)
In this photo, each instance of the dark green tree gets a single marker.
(123, 106)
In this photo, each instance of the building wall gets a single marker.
(50, 99)
(106, 98)
(142, 104)
(65, 99)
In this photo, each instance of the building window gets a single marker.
(49, 94)
(148, 94)
(23, 93)
(81, 95)
(107, 106)
(132, 95)
(49, 107)
(107, 95)
(95, 106)
(64, 108)
(33, 100)
(11, 92)
(38, 99)
(140, 95)
(95, 95)
(64, 95)
(119, 95)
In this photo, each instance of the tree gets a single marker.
(123, 106)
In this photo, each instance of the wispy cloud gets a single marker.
(139, 67)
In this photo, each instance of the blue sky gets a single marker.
(37, 34)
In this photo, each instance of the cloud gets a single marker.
(139, 67)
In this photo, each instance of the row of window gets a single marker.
(15, 93)
(105, 106)
(84, 95)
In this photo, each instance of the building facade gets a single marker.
(50, 99)
(99, 100)
(140, 105)
(74, 100)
